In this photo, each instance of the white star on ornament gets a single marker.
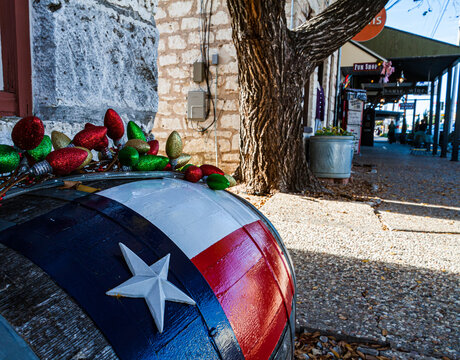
(150, 283)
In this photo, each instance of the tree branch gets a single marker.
(319, 37)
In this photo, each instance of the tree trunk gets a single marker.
(274, 64)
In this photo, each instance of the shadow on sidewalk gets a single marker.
(412, 309)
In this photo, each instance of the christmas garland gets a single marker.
(32, 159)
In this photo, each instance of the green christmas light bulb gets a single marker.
(42, 150)
(9, 159)
(135, 132)
(217, 182)
(151, 163)
(128, 156)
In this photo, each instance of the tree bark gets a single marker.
(274, 63)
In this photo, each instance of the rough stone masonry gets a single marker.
(89, 55)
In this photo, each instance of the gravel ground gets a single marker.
(384, 270)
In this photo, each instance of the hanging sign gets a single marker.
(407, 106)
(373, 28)
(402, 90)
(365, 67)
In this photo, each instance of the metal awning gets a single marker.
(423, 68)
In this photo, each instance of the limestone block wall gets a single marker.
(178, 23)
(89, 55)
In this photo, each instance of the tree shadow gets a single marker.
(423, 210)
(410, 308)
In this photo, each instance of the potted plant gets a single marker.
(331, 153)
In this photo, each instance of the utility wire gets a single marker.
(438, 22)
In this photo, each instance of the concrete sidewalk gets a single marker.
(385, 271)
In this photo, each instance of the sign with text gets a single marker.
(373, 28)
(407, 106)
(365, 67)
(401, 90)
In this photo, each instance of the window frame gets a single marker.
(16, 96)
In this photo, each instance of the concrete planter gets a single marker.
(331, 156)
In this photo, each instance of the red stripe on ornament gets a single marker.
(255, 309)
(275, 258)
(250, 277)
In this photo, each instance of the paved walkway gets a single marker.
(384, 271)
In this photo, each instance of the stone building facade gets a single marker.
(87, 56)
(179, 24)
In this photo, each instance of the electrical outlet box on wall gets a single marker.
(198, 71)
(197, 105)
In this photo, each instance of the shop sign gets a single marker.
(365, 67)
(402, 90)
(373, 28)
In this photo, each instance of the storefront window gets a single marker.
(15, 64)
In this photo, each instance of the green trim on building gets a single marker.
(394, 43)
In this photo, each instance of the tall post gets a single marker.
(447, 112)
(413, 117)
(456, 142)
(437, 117)
(430, 119)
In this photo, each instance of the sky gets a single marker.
(408, 15)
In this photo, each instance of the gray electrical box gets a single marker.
(197, 105)
(198, 71)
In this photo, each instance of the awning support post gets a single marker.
(447, 111)
(437, 117)
(430, 119)
(456, 142)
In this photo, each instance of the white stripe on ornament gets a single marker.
(193, 216)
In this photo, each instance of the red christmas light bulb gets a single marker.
(28, 133)
(66, 160)
(114, 125)
(193, 174)
(154, 147)
(103, 145)
(210, 169)
(90, 137)
(89, 126)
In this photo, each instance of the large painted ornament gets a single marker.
(199, 275)
(150, 283)
(28, 133)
